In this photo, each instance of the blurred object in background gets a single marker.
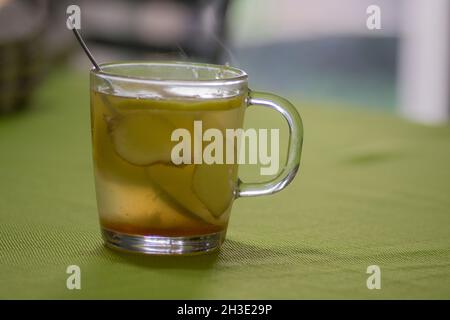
(319, 50)
(22, 23)
(315, 50)
(322, 51)
(166, 29)
(424, 78)
(34, 36)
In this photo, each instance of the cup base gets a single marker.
(160, 245)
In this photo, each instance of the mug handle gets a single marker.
(289, 170)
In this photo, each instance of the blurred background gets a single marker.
(317, 50)
(374, 181)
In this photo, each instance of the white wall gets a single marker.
(263, 21)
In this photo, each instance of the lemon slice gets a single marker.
(142, 138)
(176, 181)
(214, 186)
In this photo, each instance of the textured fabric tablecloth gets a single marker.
(372, 190)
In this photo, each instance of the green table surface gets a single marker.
(373, 190)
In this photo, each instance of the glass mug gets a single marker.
(146, 202)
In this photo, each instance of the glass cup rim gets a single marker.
(239, 77)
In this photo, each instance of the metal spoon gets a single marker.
(84, 46)
(95, 64)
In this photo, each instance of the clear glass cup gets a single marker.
(147, 200)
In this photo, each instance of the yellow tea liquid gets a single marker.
(139, 189)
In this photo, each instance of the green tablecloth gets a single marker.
(373, 190)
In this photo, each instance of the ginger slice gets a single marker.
(214, 186)
(142, 138)
(143, 206)
(176, 181)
